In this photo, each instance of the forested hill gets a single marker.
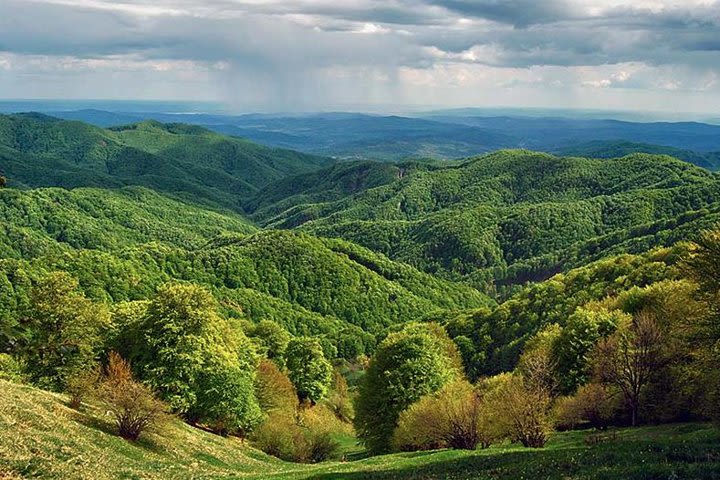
(185, 161)
(620, 148)
(511, 215)
(121, 244)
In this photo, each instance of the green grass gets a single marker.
(41, 437)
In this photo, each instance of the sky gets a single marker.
(312, 55)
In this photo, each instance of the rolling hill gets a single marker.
(184, 161)
(441, 135)
(511, 216)
(123, 243)
(615, 149)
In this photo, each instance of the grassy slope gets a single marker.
(40, 437)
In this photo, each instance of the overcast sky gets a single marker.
(340, 54)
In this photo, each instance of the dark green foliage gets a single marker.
(186, 162)
(308, 368)
(407, 365)
(307, 285)
(573, 348)
(615, 149)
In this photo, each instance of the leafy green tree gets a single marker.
(308, 369)
(272, 339)
(226, 398)
(572, 349)
(407, 365)
(67, 331)
(200, 364)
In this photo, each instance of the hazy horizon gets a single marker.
(133, 106)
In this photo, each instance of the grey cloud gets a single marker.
(515, 12)
(286, 43)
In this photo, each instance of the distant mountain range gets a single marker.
(441, 135)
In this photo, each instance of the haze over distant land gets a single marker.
(649, 55)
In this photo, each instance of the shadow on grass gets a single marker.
(636, 460)
(108, 427)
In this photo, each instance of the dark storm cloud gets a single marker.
(514, 12)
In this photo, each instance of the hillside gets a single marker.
(50, 220)
(41, 437)
(511, 216)
(186, 162)
(615, 149)
(122, 244)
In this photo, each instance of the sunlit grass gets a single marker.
(41, 437)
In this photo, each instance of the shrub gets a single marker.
(450, 418)
(566, 413)
(339, 400)
(11, 369)
(82, 385)
(276, 436)
(320, 446)
(520, 409)
(597, 404)
(274, 390)
(132, 405)
(295, 439)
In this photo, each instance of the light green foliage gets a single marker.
(572, 350)
(272, 340)
(308, 369)
(499, 334)
(67, 331)
(407, 365)
(11, 369)
(199, 363)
